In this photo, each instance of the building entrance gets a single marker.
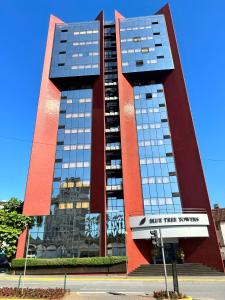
(170, 253)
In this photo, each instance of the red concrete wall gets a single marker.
(138, 252)
(188, 163)
(98, 160)
(39, 182)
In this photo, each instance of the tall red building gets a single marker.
(114, 152)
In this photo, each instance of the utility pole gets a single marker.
(156, 241)
(25, 264)
(164, 262)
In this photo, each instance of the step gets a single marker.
(186, 269)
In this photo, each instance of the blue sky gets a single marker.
(201, 38)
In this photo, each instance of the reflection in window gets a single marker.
(159, 181)
(70, 230)
(142, 40)
(61, 235)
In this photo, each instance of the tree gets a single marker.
(12, 224)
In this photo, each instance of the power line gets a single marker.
(42, 143)
(23, 140)
(214, 160)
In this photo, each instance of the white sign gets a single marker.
(169, 220)
(171, 225)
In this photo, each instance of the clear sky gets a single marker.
(200, 30)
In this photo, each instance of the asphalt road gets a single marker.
(207, 288)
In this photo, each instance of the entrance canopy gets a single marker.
(171, 225)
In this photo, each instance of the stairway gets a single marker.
(186, 269)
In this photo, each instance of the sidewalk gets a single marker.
(4, 276)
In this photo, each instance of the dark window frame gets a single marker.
(139, 63)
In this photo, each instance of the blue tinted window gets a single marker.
(158, 173)
(145, 44)
(76, 50)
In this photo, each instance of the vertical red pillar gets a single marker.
(98, 160)
(190, 174)
(138, 251)
(37, 199)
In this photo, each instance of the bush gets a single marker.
(9, 292)
(160, 295)
(67, 262)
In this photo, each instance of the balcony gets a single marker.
(112, 113)
(112, 129)
(112, 148)
(113, 167)
(113, 83)
(117, 187)
(111, 98)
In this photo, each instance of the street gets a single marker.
(207, 288)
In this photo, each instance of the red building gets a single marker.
(114, 152)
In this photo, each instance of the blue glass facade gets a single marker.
(158, 173)
(70, 230)
(145, 44)
(73, 151)
(76, 50)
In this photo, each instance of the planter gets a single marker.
(187, 298)
(57, 270)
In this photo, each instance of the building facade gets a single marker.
(219, 219)
(114, 151)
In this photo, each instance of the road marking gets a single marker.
(149, 279)
(92, 292)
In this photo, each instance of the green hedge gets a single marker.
(68, 262)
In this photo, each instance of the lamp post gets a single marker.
(126, 252)
(25, 264)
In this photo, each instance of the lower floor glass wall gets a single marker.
(65, 235)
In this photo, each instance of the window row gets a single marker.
(150, 143)
(85, 54)
(79, 115)
(137, 28)
(114, 181)
(80, 67)
(85, 43)
(72, 184)
(81, 164)
(156, 160)
(149, 95)
(86, 32)
(80, 130)
(148, 126)
(158, 201)
(142, 50)
(77, 147)
(74, 139)
(137, 39)
(70, 205)
(153, 180)
(140, 63)
(81, 100)
(146, 111)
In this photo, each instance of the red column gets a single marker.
(39, 182)
(188, 163)
(138, 251)
(98, 160)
